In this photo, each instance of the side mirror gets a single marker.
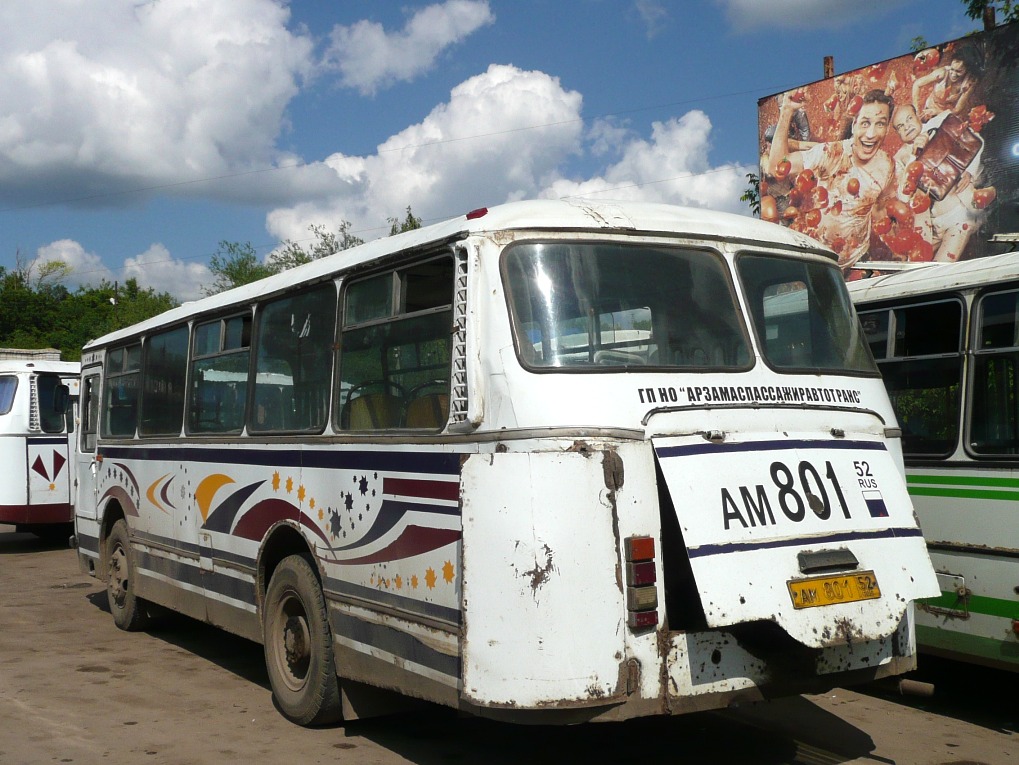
(61, 399)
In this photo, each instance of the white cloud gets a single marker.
(523, 128)
(653, 14)
(97, 98)
(83, 267)
(156, 269)
(671, 167)
(498, 137)
(746, 15)
(369, 58)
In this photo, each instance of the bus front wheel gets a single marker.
(129, 611)
(298, 645)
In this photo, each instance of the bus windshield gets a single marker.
(605, 305)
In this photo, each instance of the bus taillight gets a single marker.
(641, 575)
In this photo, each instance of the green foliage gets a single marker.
(1006, 10)
(752, 196)
(237, 263)
(409, 223)
(234, 264)
(918, 44)
(325, 243)
(37, 311)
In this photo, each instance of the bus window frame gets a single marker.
(90, 406)
(256, 334)
(974, 353)
(110, 378)
(13, 395)
(961, 353)
(397, 313)
(144, 368)
(244, 312)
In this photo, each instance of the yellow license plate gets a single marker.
(828, 590)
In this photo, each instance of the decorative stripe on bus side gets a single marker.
(369, 638)
(445, 463)
(766, 446)
(238, 592)
(892, 533)
(88, 544)
(977, 604)
(963, 487)
(373, 595)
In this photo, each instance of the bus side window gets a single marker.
(163, 393)
(994, 425)
(121, 405)
(396, 349)
(220, 375)
(293, 362)
(51, 420)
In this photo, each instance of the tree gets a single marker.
(752, 196)
(326, 243)
(234, 264)
(39, 312)
(409, 223)
(1006, 10)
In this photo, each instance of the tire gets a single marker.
(298, 645)
(129, 611)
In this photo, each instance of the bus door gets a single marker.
(783, 518)
(49, 484)
(85, 465)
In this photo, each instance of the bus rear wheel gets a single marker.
(298, 645)
(129, 611)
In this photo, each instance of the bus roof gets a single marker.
(532, 215)
(10, 366)
(936, 277)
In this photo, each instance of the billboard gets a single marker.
(909, 160)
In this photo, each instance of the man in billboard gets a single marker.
(856, 174)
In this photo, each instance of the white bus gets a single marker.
(946, 338)
(547, 462)
(36, 423)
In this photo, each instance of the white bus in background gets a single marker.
(36, 423)
(547, 462)
(946, 338)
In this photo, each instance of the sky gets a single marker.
(137, 135)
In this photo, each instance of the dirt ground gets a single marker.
(75, 689)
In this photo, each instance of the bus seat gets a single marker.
(372, 411)
(428, 411)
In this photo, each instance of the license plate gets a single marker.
(828, 590)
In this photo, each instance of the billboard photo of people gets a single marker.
(915, 159)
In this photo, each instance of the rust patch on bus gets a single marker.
(540, 573)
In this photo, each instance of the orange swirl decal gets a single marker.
(207, 490)
(151, 493)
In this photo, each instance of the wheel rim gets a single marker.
(292, 642)
(118, 575)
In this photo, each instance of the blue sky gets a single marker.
(136, 135)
